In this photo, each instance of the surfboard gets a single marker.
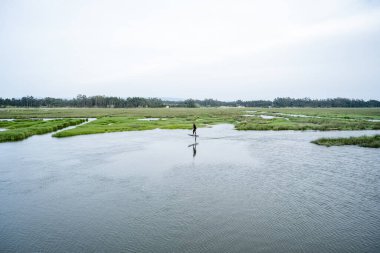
(193, 135)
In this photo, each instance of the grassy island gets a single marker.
(362, 141)
(16, 130)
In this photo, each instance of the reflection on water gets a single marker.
(244, 191)
(194, 146)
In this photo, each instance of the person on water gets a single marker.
(194, 129)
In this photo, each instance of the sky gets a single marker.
(221, 49)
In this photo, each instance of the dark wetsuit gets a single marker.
(194, 129)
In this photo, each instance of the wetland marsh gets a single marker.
(119, 120)
(16, 130)
(141, 190)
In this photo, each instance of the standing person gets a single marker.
(194, 129)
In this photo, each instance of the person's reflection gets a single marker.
(194, 147)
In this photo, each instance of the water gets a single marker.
(153, 191)
(268, 117)
(150, 119)
(263, 116)
(297, 115)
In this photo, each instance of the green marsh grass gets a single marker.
(120, 124)
(22, 129)
(296, 123)
(126, 119)
(362, 141)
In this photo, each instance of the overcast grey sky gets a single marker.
(201, 49)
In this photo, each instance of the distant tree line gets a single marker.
(82, 101)
(217, 103)
(133, 102)
(330, 102)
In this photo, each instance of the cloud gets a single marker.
(62, 47)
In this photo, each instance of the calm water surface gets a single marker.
(153, 191)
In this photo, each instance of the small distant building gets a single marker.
(167, 106)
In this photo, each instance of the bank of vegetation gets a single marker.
(362, 141)
(133, 102)
(132, 119)
(300, 123)
(230, 112)
(21, 129)
(121, 124)
(146, 119)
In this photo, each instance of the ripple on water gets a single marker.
(147, 191)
